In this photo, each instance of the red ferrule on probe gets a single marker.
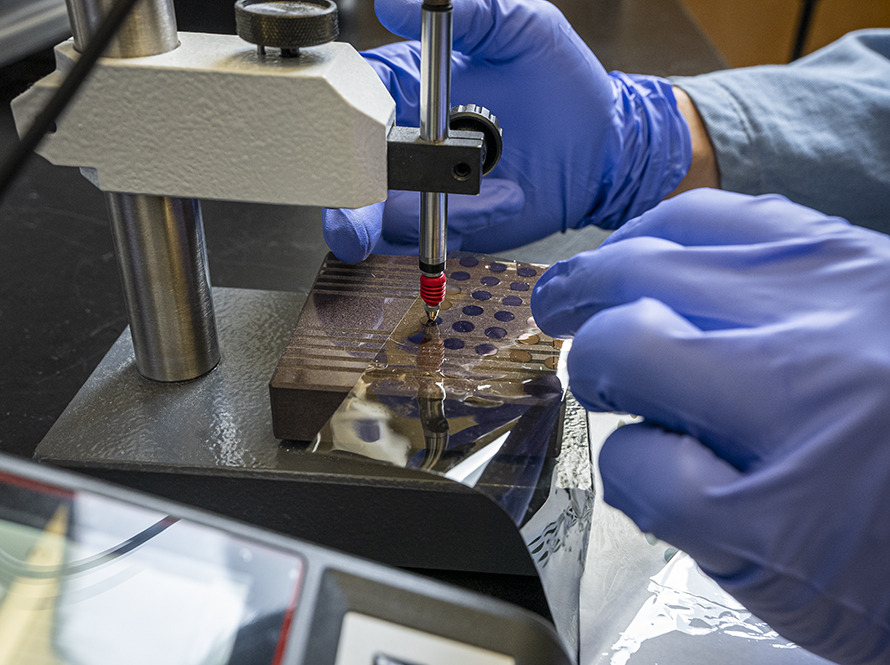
(432, 289)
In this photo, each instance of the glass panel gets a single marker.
(88, 580)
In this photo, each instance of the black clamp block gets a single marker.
(453, 166)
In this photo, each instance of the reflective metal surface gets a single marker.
(159, 240)
(433, 227)
(478, 399)
(163, 263)
(150, 28)
(435, 73)
(435, 96)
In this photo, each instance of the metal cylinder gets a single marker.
(435, 96)
(159, 241)
(162, 257)
(433, 230)
(436, 30)
(150, 28)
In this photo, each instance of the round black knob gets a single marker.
(473, 118)
(286, 24)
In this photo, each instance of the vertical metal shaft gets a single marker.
(435, 97)
(150, 28)
(159, 240)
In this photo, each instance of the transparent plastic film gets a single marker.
(480, 398)
(474, 396)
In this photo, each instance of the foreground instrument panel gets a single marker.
(95, 575)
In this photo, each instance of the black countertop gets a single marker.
(61, 308)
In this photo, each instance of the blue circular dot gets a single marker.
(486, 349)
(495, 333)
(462, 326)
(512, 300)
(504, 316)
(453, 343)
(368, 430)
(473, 310)
(526, 272)
(481, 295)
(497, 267)
(490, 280)
(460, 275)
(519, 286)
(417, 338)
(469, 262)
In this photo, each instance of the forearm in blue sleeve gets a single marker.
(816, 131)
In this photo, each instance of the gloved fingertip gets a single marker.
(351, 234)
(400, 17)
(558, 269)
(615, 350)
(554, 300)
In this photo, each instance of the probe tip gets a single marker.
(432, 292)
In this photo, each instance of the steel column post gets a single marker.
(159, 241)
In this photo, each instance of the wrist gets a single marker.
(703, 170)
(647, 150)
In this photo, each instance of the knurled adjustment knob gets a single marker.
(286, 24)
(473, 118)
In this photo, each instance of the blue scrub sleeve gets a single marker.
(816, 131)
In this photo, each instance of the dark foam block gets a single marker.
(350, 313)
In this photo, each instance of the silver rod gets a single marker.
(433, 228)
(150, 29)
(435, 73)
(159, 241)
(435, 97)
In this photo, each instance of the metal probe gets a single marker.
(431, 396)
(435, 95)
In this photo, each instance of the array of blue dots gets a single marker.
(464, 326)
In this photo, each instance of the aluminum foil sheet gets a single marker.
(479, 397)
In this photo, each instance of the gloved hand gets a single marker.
(580, 146)
(752, 335)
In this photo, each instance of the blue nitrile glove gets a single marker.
(580, 146)
(753, 335)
